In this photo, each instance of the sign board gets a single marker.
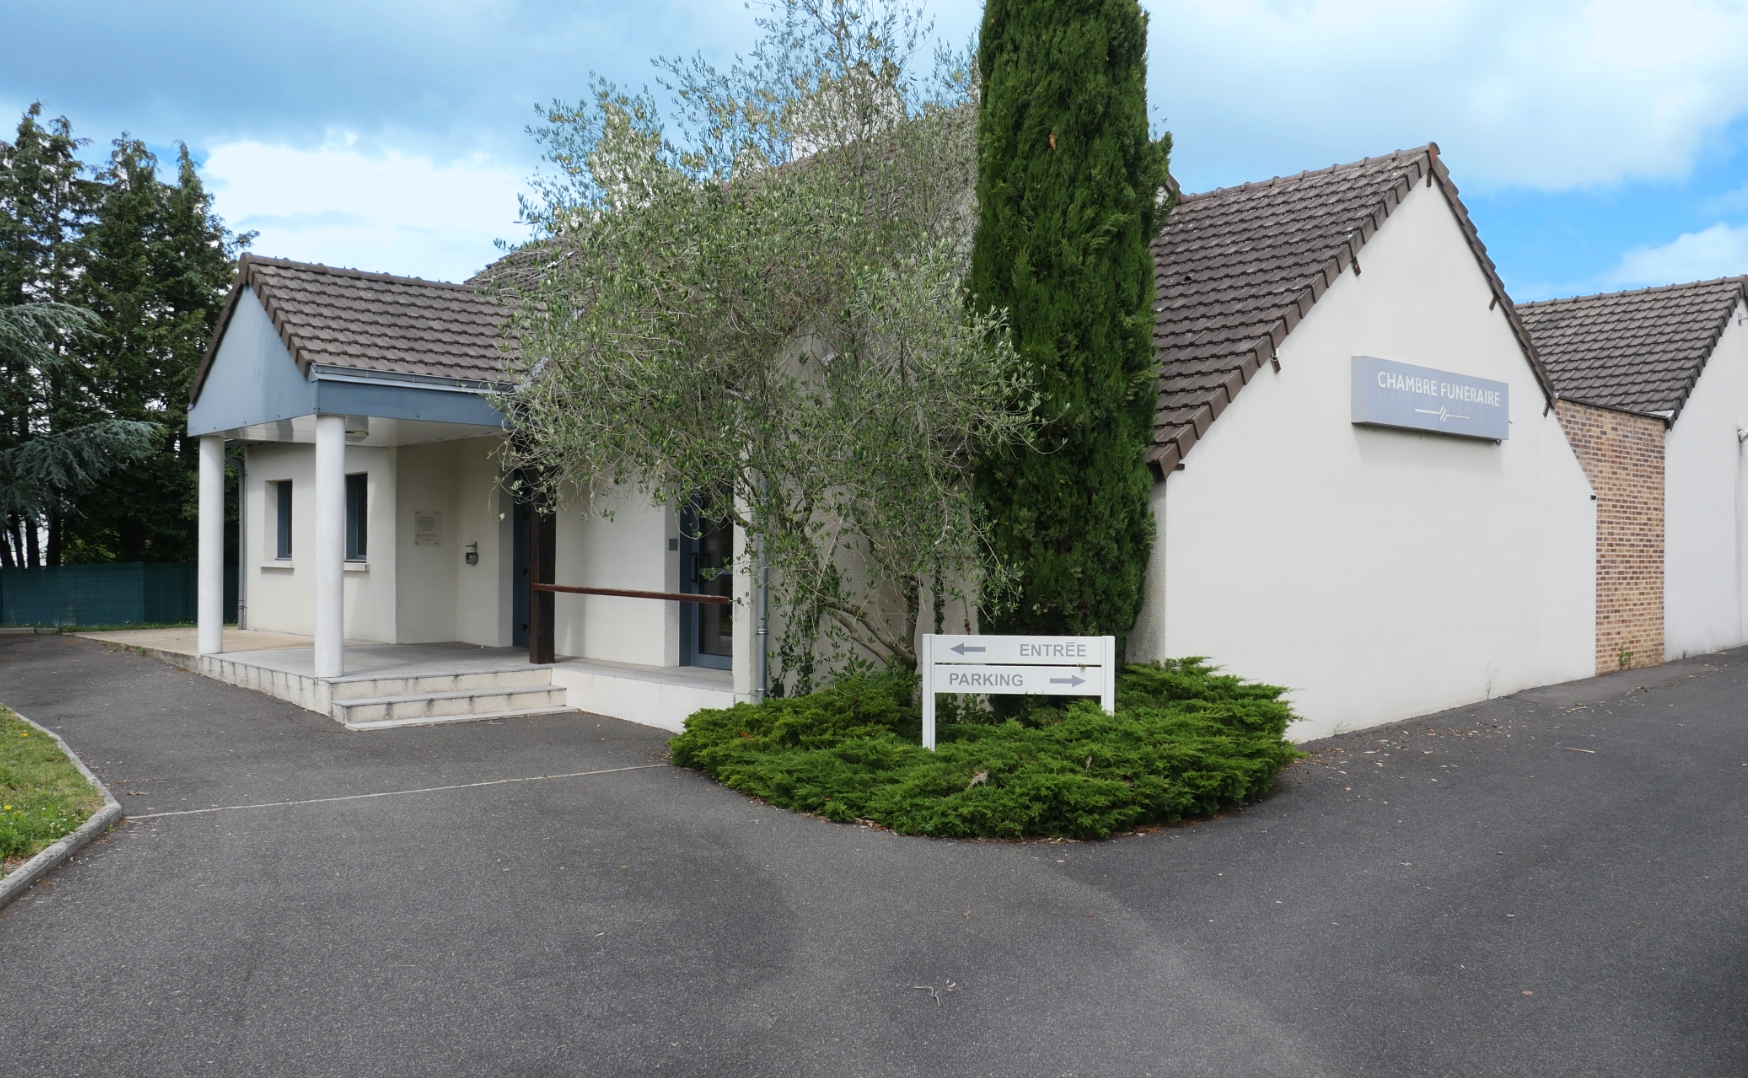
(1017, 665)
(426, 529)
(1391, 394)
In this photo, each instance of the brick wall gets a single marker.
(1623, 456)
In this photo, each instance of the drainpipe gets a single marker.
(243, 539)
(1741, 436)
(761, 653)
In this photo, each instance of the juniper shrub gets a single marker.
(1186, 741)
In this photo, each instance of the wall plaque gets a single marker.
(426, 529)
(1391, 394)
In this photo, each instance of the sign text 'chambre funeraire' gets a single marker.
(1391, 394)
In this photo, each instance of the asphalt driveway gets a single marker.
(1551, 884)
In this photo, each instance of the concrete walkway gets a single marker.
(182, 641)
(1545, 885)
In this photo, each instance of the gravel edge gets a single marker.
(15, 882)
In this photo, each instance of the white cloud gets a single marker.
(1549, 95)
(1731, 202)
(1719, 251)
(348, 204)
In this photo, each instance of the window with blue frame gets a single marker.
(357, 518)
(282, 504)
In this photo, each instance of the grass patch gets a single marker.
(1186, 741)
(42, 795)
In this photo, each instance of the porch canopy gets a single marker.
(314, 354)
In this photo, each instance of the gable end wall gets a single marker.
(1380, 574)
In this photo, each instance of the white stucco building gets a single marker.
(1653, 387)
(375, 513)
(1364, 489)
(1378, 567)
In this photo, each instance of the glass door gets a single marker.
(706, 568)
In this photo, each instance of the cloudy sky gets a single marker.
(1600, 144)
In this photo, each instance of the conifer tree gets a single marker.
(45, 203)
(159, 264)
(110, 285)
(1069, 187)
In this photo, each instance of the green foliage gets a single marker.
(1069, 186)
(42, 795)
(45, 202)
(1186, 741)
(762, 311)
(35, 474)
(158, 266)
(110, 286)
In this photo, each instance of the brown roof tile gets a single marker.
(1638, 351)
(1235, 269)
(371, 321)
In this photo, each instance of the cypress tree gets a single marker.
(1068, 182)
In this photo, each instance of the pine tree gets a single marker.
(159, 263)
(1068, 189)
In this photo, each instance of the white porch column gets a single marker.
(330, 551)
(210, 581)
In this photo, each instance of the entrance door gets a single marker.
(520, 517)
(706, 568)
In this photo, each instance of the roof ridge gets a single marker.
(1642, 349)
(249, 258)
(1209, 348)
(392, 324)
(1394, 155)
(1740, 279)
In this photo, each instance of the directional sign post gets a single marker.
(1017, 665)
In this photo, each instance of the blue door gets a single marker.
(706, 568)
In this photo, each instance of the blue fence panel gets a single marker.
(170, 592)
(125, 593)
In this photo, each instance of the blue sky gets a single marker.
(1600, 144)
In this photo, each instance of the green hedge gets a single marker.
(1186, 741)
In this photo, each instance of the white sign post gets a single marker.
(1017, 666)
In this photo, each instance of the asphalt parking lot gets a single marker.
(1549, 884)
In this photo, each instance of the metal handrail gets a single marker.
(670, 596)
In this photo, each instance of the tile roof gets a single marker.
(1235, 269)
(370, 321)
(1636, 351)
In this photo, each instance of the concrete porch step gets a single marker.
(462, 703)
(385, 724)
(366, 687)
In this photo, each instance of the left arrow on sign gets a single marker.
(963, 648)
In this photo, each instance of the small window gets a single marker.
(282, 491)
(357, 518)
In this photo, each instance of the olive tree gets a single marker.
(760, 310)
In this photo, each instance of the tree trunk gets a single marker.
(7, 561)
(31, 543)
(54, 554)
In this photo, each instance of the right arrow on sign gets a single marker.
(1072, 679)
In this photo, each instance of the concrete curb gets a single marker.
(14, 883)
(187, 662)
